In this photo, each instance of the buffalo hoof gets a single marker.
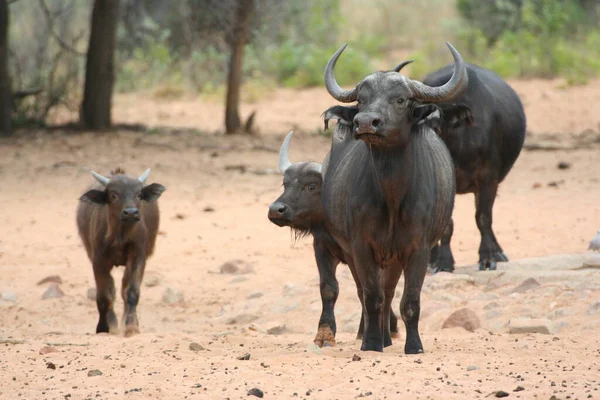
(442, 268)
(499, 256)
(413, 347)
(487, 264)
(370, 346)
(132, 330)
(325, 337)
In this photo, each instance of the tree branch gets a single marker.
(61, 43)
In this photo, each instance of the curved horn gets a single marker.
(402, 65)
(342, 95)
(143, 177)
(457, 82)
(284, 157)
(102, 179)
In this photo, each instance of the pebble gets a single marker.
(472, 368)
(255, 295)
(94, 372)
(151, 281)
(501, 393)
(238, 279)
(277, 330)
(172, 296)
(356, 358)
(8, 296)
(196, 346)
(241, 319)
(53, 292)
(256, 392)
(236, 267)
(526, 285)
(530, 325)
(48, 350)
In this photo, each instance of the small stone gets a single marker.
(519, 389)
(8, 296)
(196, 346)
(485, 297)
(529, 325)
(241, 319)
(256, 392)
(526, 285)
(208, 209)
(48, 350)
(313, 348)
(472, 368)
(594, 308)
(151, 281)
(53, 292)
(464, 318)
(94, 372)
(501, 393)
(51, 278)
(238, 279)
(236, 267)
(245, 357)
(356, 358)
(277, 330)
(255, 295)
(50, 365)
(91, 293)
(564, 165)
(172, 296)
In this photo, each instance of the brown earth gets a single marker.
(214, 211)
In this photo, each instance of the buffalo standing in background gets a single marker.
(118, 223)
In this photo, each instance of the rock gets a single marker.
(560, 313)
(464, 318)
(564, 165)
(238, 279)
(501, 393)
(172, 296)
(91, 293)
(151, 281)
(449, 281)
(53, 292)
(356, 358)
(7, 295)
(526, 285)
(196, 346)
(594, 308)
(48, 350)
(245, 357)
(255, 392)
(472, 368)
(485, 297)
(491, 314)
(491, 305)
(50, 365)
(236, 267)
(94, 372)
(277, 330)
(497, 326)
(519, 389)
(529, 325)
(255, 295)
(51, 279)
(313, 348)
(241, 319)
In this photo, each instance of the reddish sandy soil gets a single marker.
(212, 213)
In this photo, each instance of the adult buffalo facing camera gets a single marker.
(118, 222)
(300, 207)
(389, 196)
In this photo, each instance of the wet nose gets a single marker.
(130, 213)
(276, 210)
(367, 123)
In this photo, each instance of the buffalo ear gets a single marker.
(428, 114)
(344, 115)
(152, 192)
(95, 196)
(457, 115)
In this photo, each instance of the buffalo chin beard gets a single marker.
(298, 233)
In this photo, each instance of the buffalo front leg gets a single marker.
(391, 275)
(369, 274)
(443, 261)
(328, 285)
(105, 298)
(489, 250)
(130, 291)
(410, 305)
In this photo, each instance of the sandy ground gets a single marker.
(196, 321)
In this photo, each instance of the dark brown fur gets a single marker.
(110, 241)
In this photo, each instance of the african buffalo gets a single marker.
(483, 151)
(118, 222)
(300, 207)
(388, 197)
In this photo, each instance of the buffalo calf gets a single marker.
(118, 221)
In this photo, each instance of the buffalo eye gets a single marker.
(114, 196)
(311, 187)
(400, 101)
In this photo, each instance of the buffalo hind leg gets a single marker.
(105, 299)
(490, 251)
(369, 274)
(441, 256)
(130, 291)
(329, 288)
(410, 305)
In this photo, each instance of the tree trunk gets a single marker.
(240, 36)
(100, 69)
(5, 86)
